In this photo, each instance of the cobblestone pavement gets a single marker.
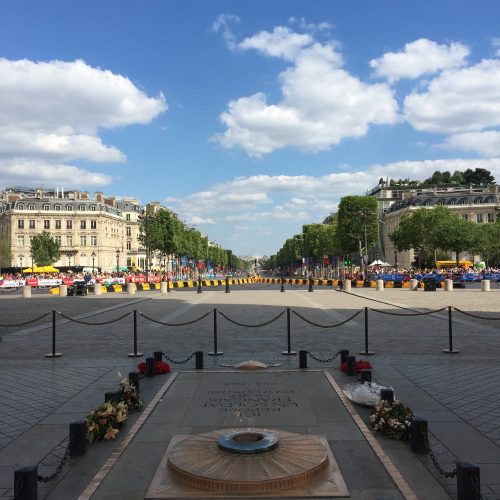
(457, 393)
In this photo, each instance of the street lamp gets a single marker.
(396, 258)
(69, 260)
(117, 259)
(93, 260)
(21, 263)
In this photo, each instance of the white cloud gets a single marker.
(321, 105)
(200, 220)
(222, 25)
(54, 110)
(303, 24)
(486, 143)
(419, 58)
(457, 101)
(281, 42)
(28, 172)
(495, 43)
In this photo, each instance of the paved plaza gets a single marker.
(458, 394)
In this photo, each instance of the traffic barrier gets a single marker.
(27, 292)
(448, 285)
(63, 290)
(97, 289)
(380, 285)
(485, 285)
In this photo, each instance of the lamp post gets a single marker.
(117, 260)
(93, 260)
(396, 258)
(69, 260)
(21, 264)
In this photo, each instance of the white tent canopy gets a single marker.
(380, 263)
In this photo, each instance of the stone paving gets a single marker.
(457, 393)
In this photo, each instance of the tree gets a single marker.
(478, 176)
(44, 250)
(5, 254)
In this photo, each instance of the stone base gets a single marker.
(166, 485)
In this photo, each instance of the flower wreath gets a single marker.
(160, 367)
(392, 420)
(360, 365)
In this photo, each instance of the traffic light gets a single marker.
(347, 262)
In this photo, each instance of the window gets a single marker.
(58, 207)
(69, 207)
(20, 224)
(491, 217)
(20, 241)
(83, 241)
(20, 206)
(31, 207)
(93, 224)
(46, 224)
(93, 208)
(93, 241)
(129, 245)
(81, 208)
(69, 224)
(479, 218)
(129, 231)
(32, 224)
(83, 224)
(58, 223)
(46, 207)
(58, 240)
(127, 217)
(465, 217)
(69, 241)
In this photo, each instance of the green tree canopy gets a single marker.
(44, 250)
(5, 254)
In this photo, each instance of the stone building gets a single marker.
(90, 231)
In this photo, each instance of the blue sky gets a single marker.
(249, 119)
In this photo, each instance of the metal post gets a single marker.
(135, 354)
(26, 483)
(282, 289)
(387, 395)
(77, 438)
(351, 365)
(198, 360)
(288, 335)
(133, 378)
(418, 435)
(303, 359)
(468, 481)
(53, 354)
(215, 352)
(158, 355)
(343, 355)
(365, 375)
(310, 285)
(366, 351)
(450, 349)
(227, 285)
(150, 367)
(199, 286)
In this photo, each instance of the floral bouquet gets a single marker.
(360, 365)
(106, 421)
(128, 394)
(392, 420)
(160, 367)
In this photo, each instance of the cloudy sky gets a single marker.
(249, 119)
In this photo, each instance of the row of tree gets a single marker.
(478, 176)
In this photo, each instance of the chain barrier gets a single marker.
(64, 459)
(327, 326)
(93, 324)
(438, 467)
(477, 488)
(26, 322)
(474, 315)
(252, 326)
(324, 360)
(178, 362)
(174, 324)
(381, 311)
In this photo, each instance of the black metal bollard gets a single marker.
(366, 352)
(26, 483)
(450, 349)
(199, 286)
(135, 354)
(227, 285)
(133, 378)
(282, 289)
(215, 352)
(303, 359)
(109, 397)
(418, 435)
(158, 355)
(387, 395)
(343, 355)
(77, 438)
(310, 285)
(468, 481)
(365, 375)
(150, 367)
(289, 352)
(53, 354)
(351, 365)
(198, 356)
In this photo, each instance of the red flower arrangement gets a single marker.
(160, 367)
(360, 365)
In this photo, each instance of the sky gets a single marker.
(248, 119)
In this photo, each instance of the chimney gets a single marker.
(99, 196)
